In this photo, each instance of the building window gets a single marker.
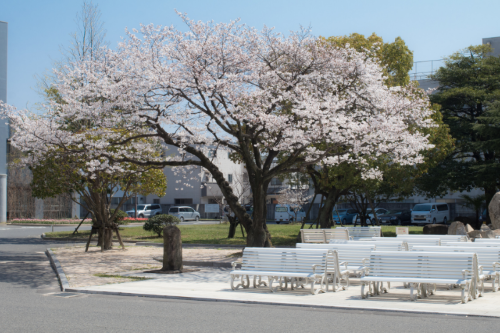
(183, 201)
(156, 201)
(230, 178)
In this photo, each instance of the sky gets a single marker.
(431, 29)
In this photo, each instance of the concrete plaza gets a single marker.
(213, 285)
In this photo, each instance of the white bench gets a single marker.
(473, 244)
(411, 241)
(357, 233)
(487, 240)
(488, 259)
(352, 257)
(423, 270)
(443, 238)
(297, 266)
(381, 245)
(322, 235)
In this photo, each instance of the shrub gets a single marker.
(158, 222)
(120, 216)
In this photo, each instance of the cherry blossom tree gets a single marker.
(279, 102)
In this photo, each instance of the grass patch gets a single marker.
(282, 234)
(132, 278)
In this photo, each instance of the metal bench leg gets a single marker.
(464, 299)
(283, 283)
(413, 286)
(242, 281)
(257, 281)
(271, 280)
(363, 294)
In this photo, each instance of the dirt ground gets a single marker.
(81, 267)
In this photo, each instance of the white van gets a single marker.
(430, 213)
(283, 213)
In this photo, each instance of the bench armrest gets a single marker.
(343, 263)
(364, 260)
(464, 271)
(316, 265)
(480, 269)
(233, 264)
(496, 264)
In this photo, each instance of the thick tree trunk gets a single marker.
(232, 226)
(325, 213)
(257, 234)
(172, 249)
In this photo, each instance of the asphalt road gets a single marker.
(30, 302)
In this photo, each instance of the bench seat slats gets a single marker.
(413, 280)
(422, 268)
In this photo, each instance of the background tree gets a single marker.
(476, 203)
(468, 84)
(257, 94)
(398, 181)
(395, 58)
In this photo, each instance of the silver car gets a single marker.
(145, 211)
(184, 213)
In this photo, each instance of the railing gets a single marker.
(422, 70)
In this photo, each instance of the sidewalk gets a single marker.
(213, 285)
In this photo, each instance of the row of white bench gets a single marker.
(323, 265)
(353, 233)
(363, 233)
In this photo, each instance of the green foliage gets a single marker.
(396, 57)
(119, 217)
(158, 222)
(469, 96)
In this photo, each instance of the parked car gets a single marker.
(145, 211)
(346, 216)
(283, 213)
(184, 213)
(430, 213)
(227, 211)
(396, 217)
(371, 216)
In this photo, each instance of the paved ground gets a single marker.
(214, 284)
(28, 305)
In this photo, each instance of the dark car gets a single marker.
(396, 217)
(346, 216)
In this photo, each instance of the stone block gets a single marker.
(457, 228)
(468, 228)
(494, 211)
(435, 229)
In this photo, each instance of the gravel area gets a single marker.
(80, 267)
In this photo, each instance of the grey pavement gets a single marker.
(29, 302)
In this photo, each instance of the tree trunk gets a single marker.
(299, 236)
(372, 206)
(172, 249)
(232, 226)
(257, 233)
(108, 239)
(325, 213)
